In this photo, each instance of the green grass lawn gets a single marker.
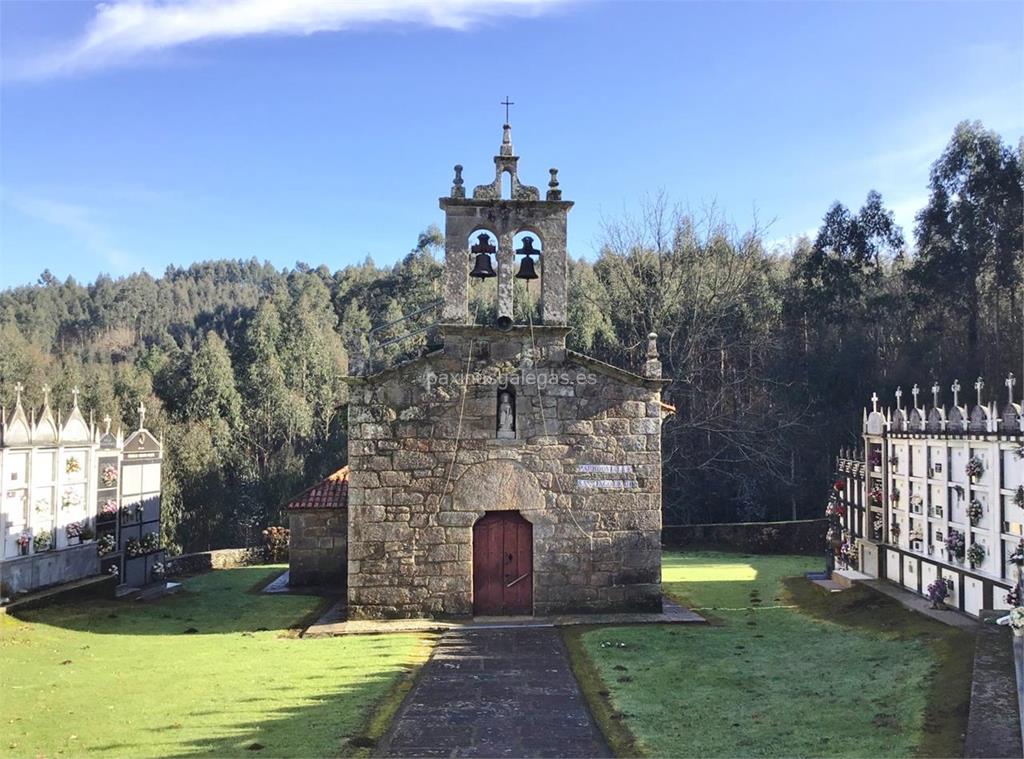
(784, 669)
(210, 671)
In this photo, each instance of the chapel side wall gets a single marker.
(318, 546)
(412, 511)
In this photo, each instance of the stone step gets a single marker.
(96, 586)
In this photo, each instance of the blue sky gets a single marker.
(146, 135)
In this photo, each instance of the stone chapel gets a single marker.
(499, 473)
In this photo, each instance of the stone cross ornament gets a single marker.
(914, 391)
(955, 387)
(978, 385)
(935, 395)
(899, 394)
(1010, 382)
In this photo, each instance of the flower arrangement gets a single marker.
(133, 547)
(875, 497)
(73, 530)
(24, 541)
(70, 498)
(894, 532)
(839, 486)
(876, 527)
(109, 508)
(876, 458)
(1017, 557)
(846, 554)
(42, 506)
(108, 476)
(836, 510)
(87, 533)
(1019, 452)
(975, 467)
(150, 542)
(106, 544)
(938, 592)
(955, 545)
(976, 554)
(1013, 597)
(43, 541)
(1017, 620)
(1018, 497)
(158, 572)
(916, 503)
(975, 512)
(894, 462)
(894, 495)
(114, 570)
(71, 466)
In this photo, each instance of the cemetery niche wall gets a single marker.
(500, 472)
(937, 495)
(77, 500)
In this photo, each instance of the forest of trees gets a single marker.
(773, 353)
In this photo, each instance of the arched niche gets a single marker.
(482, 292)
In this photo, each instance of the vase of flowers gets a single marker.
(1017, 621)
(108, 476)
(109, 508)
(114, 570)
(73, 533)
(894, 532)
(106, 544)
(72, 465)
(1017, 557)
(24, 541)
(133, 548)
(875, 497)
(955, 545)
(975, 467)
(976, 555)
(43, 541)
(150, 542)
(975, 512)
(1013, 597)
(938, 592)
(158, 572)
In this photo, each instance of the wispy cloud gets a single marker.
(79, 222)
(127, 30)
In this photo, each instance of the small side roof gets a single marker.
(329, 493)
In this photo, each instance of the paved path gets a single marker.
(913, 601)
(494, 693)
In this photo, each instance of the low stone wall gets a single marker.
(805, 536)
(318, 548)
(221, 558)
(41, 570)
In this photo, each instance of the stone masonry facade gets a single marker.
(318, 546)
(428, 456)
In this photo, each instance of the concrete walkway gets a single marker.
(917, 603)
(495, 693)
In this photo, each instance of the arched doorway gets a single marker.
(502, 564)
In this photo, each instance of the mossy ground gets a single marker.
(216, 670)
(784, 669)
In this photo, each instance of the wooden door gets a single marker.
(502, 564)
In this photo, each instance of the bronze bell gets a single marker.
(482, 268)
(526, 268)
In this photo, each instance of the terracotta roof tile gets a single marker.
(330, 493)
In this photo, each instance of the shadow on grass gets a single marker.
(949, 688)
(213, 603)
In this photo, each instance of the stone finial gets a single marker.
(955, 387)
(506, 142)
(1010, 382)
(899, 394)
(458, 190)
(142, 415)
(652, 367)
(74, 397)
(106, 424)
(46, 395)
(915, 391)
(935, 395)
(554, 193)
(18, 388)
(978, 385)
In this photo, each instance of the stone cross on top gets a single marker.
(978, 385)
(955, 387)
(106, 424)
(46, 395)
(142, 415)
(914, 392)
(18, 388)
(899, 394)
(935, 395)
(874, 402)
(506, 102)
(1010, 382)
(74, 396)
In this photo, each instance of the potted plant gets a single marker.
(109, 508)
(43, 541)
(24, 541)
(975, 512)
(938, 592)
(133, 547)
(73, 533)
(976, 555)
(150, 542)
(87, 533)
(975, 467)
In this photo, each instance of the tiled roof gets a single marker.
(331, 493)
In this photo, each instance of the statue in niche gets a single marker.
(506, 415)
